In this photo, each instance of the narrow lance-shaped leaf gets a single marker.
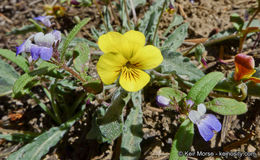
(182, 140)
(71, 35)
(7, 78)
(25, 29)
(174, 40)
(177, 19)
(18, 60)
(204, 86)
(17, 137)
(132, 130)
(226, 106)
(41, 144)
(28, 77)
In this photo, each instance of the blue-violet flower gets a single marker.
(206, 123)
(42, 46)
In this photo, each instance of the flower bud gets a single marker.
(162, 101)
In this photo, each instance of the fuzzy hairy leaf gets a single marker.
(182, 140)
(132, 130)
(177, 20)
(71, 36)
(18, 60)
(175, 63)
(7, 78)
(23, 80)
(226, 106)
(41, 144)
(174, 40)
(25, 29)
(148, 23)
(81, 53)
(17, 137)
(204, 86)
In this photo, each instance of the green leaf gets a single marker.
(174, 40)
(204, 86)
(132, 130)
(77, 40)
(41, 144)
(175, 63)
(23, 80)
(17, 137)
(109, 126)
(177, 20)
(182, 140)
(71, 35)
(226, 106)
(7, 78)
(81, 57)
(148, 23)
(238, 22)
(25, 29)
(18, 60)
(171, 93)
(253, 89)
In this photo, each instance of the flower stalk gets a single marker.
(157, 25)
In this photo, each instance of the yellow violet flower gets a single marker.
(126, 56)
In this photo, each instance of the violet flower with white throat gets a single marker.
(206, 123)
(42, 46)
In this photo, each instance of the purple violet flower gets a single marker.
(206, 123)
(42, 46)
(162, 101)
(44, 19)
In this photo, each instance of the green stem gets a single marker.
(68, 69)
(54, 105)
(157, 25)
(127, 16)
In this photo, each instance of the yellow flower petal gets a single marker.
(147, 57)
(110, 42)
(109, 66)
(133, 80)
(136, 41)
(123, 44)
